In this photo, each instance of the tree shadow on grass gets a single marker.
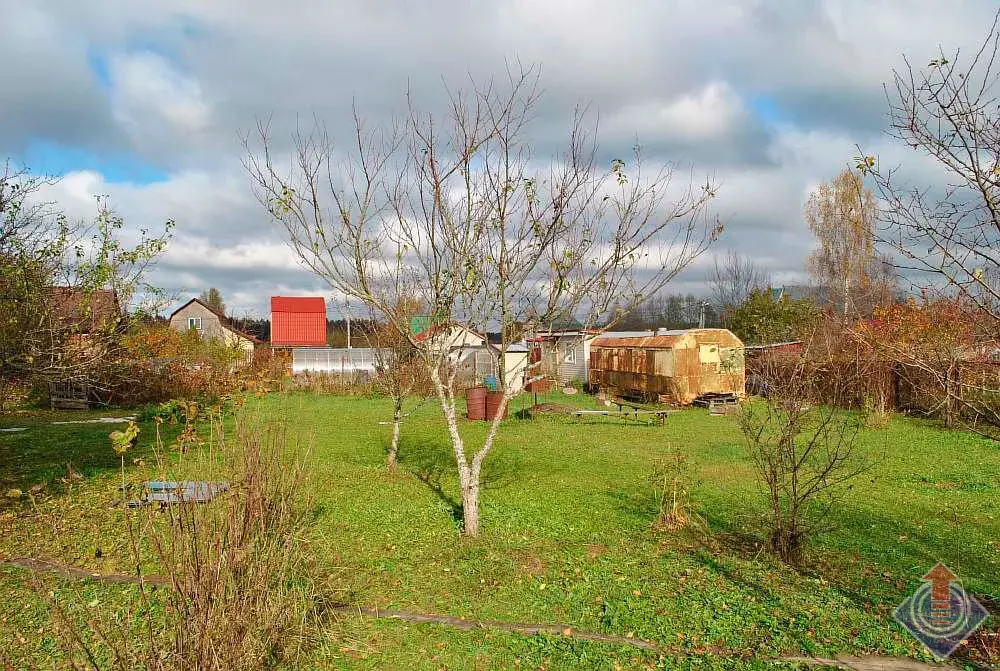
(50, 455)
(640, 505)
(428, 459)
(432, 463)
(864, 574)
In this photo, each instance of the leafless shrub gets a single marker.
(221, 585)
(803, 451)
(323, 382)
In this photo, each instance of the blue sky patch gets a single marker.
(43, 157)
(98, 63)
(766, 109)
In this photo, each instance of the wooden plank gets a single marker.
(70, 404)
(184, 492)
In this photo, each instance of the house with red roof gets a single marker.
(298, 321)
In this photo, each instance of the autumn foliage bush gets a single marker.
(942, 357)
(160, 363)
(937, 358)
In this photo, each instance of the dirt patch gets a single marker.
(529, 564)
(869, 663)
(568, 631)
(551, 409)
(983, 647)
(595, 551)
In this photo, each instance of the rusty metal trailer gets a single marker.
(670, 367)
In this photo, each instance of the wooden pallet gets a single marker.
(717, 404)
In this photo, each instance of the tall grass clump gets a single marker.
(225, 584)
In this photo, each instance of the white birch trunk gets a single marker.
(468, 477)
(469, 474)
(397, 420)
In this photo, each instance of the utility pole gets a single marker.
(701, 315)
(347, 312)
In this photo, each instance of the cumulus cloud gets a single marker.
(149, 94)
(769, 96)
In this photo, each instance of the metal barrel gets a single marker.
(475, 401)
(493, 399)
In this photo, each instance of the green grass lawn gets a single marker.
(566, 515)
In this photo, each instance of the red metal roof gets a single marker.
(302, 304)
(298, 321)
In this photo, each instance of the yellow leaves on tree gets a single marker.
(841, 214)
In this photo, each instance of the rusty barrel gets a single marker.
(475, 402)
(493, 399)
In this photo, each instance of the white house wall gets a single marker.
(570, 369)
(515, 364)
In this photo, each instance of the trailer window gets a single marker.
(708, 353)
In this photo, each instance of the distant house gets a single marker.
(81, 316)
(211, 325)
(298, 321)
(565, 353)
(83, 312)
(476, 355)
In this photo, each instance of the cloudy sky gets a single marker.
(145, 101)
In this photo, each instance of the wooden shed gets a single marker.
(671, 366)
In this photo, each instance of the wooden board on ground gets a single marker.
(179, 492)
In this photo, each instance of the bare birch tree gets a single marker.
(734, 278)
(949, 232)
(458, 211)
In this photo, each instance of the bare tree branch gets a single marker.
(455, 211)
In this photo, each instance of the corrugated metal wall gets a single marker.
(680, 367)
(298, 328)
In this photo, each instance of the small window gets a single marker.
(709, 353)
(570, 355)
(194, 323)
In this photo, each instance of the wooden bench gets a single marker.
(633, 414)
(69, 395)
